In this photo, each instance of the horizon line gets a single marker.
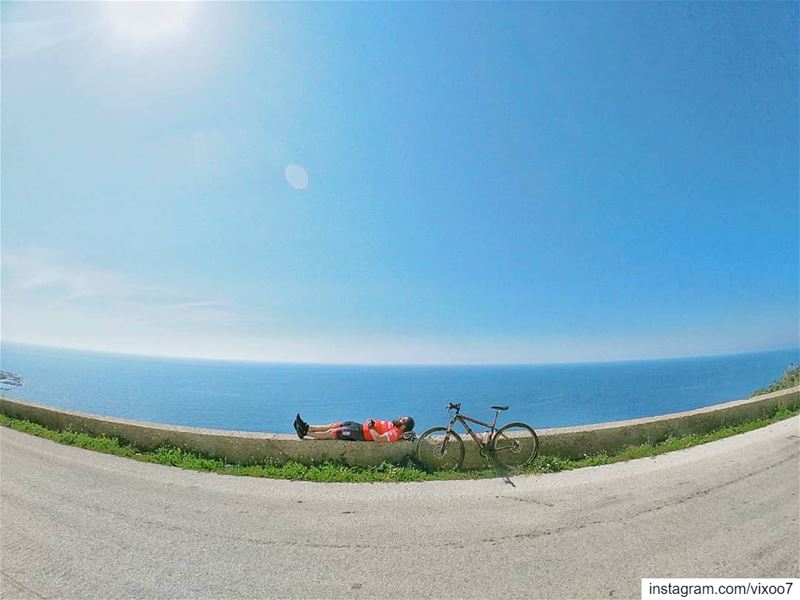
(395, 364)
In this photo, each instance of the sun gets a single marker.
(143, 22)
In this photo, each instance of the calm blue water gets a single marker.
(265, 397)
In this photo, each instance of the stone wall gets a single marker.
(244, 447)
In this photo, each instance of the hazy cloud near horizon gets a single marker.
(49, 300)
(54, 301)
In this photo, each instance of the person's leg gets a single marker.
(327, 434)
(348, 430)
(319, 428)
(303, 429)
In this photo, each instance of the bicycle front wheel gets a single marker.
(439, 449)
(515, 445)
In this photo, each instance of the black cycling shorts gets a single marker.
(349, 430)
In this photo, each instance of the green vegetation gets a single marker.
(330, 472)
(553, 464)
(790, 378)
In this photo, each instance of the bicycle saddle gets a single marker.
(500, 407)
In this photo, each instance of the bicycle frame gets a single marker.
(463, 420)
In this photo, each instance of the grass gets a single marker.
(332, 472)
(553, 464)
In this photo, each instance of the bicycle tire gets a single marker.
(515, 445)
(436, 448)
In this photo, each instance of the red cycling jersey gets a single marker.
(382, 427)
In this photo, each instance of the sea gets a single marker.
(250, 396)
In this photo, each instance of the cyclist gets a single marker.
(381, 431)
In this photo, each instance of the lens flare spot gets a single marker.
(297, 177)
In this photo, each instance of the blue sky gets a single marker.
(401, 183)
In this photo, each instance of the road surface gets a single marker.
(78, 524)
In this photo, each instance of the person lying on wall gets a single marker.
(381, 431)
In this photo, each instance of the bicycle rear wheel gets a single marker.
(515, 445)
(439, 449)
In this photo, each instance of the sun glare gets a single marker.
(146, 22)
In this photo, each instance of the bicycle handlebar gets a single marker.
(456, 406)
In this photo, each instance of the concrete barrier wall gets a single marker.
(244, 447)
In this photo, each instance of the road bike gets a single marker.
(513, 445)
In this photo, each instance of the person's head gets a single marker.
(405, 423)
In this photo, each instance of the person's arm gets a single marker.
(378, 437)
(393, 435)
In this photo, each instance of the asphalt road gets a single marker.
(77, 524)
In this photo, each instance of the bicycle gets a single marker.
(513, 445)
